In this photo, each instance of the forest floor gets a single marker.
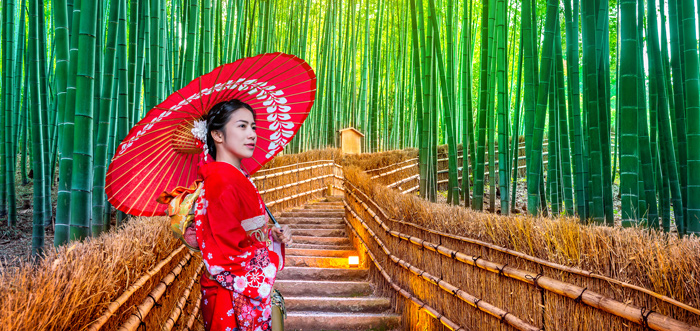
(16, 242)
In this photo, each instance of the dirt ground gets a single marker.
(16, 242)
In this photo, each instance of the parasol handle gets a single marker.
(272, 217)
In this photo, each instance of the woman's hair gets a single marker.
(217, 118)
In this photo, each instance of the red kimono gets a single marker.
(239, 254)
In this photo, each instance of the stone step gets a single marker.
(321, 240)
(323, 288)
(314, 213)
(325, 304)
(320, 252)
(334, 198)
(325, 205)
(310, 220)
(316, 261)
(317, 210)
(320, 232)
(308, 321)
(317, 246)
(325, 201)
(318, 226)
(304, 273)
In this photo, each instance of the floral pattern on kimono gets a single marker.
(237, 249)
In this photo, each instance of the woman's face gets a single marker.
(240, 137)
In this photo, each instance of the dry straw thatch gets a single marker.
(72, 286)
(314, 155)
(652, 260)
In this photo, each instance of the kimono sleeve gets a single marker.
(225, 248)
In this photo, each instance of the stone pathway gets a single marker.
(321, 291)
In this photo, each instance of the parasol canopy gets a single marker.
(161, 152)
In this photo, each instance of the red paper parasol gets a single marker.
(161, 152)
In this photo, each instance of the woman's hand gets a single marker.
(282, 235)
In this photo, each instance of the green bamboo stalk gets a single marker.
(478, 200)
(24, 122)
(572, 62)
(678, 125)
(491, 109)
(81, 183)
(671, 188)
(628, 112)
(594, 150)
(604, 115)
(7, 177)
(123, 122)
(19, 75)
(191, 44)
(530, 87)
(134, 30)
(535, 171)
(98, 196)
(563, 138)
(48, 118)
(466, 98)
(446, 103)
(37, 146)
(140, 59)
(553, 156)
(692, 108)
(516, 126)
(154, 96)
(502, 65)
(65, 166)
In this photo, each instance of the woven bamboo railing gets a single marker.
(520, 255)
(540, 299)
(420, 304)
(401, 176)
(293, 185)
(114, 306)
(467, 298)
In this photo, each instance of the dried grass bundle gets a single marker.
(71, 286)
(314, 155)
(369, 161)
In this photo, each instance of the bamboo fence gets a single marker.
(293, 185)
(497, 287)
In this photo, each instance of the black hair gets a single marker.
(217, 118)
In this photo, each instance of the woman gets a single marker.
(242, 255)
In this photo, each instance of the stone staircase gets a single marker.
(321, 291)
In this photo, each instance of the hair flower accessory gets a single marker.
(200, 131)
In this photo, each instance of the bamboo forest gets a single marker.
(609, 89)
(492, 149)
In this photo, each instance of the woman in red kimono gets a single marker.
(242, 255)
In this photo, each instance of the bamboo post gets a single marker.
(177, 310)
(144, 308)
(114, 305)
(195, 312)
